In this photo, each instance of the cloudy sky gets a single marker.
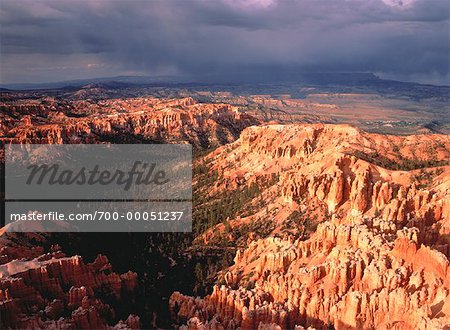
(55, 40)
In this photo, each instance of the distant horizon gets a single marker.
(176, 79)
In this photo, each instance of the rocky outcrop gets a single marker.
(348, 276)
(357, 186)
(51, 290)
(203, 125)
(378, 259)
(324, 164)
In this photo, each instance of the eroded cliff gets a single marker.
(42, 288)
(379, 255)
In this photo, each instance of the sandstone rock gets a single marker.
(380, 261)
(40, 291)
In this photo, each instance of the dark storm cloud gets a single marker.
(59, 40)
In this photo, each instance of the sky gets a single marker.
(58, 40)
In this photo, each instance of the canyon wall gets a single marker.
(181, 120)
(45, 289)
(377, 259)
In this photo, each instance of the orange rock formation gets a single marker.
(49, 290)
(142, 120)
(379, 259)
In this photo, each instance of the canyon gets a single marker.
(43, 288)
(133, 121)
(379, 255)
(328, 225)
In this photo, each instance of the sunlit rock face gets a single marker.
(134, 121)
(47, 289)
(380, 258)
(40, 289)
(376, 257)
